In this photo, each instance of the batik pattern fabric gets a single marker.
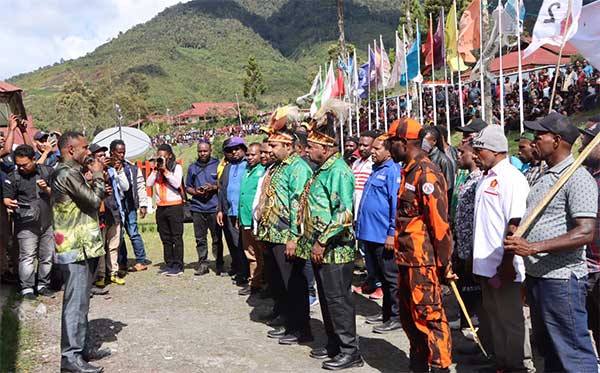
(327, 212)
(423, 236)
(278, 215)
(75, 204)
(465, 210)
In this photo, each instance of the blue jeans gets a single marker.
(370, 262)
(559, 320)
(131, 227)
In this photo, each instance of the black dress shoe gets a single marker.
(278, 321)
(80, 366)
(375, 319)
(296, 337)
(343, 361)
(241, 282)
(388, 326)
(276, 333)
(248, 290)
(202, 270)
(96, 354)
(320, 353)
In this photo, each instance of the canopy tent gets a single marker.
(137, 141)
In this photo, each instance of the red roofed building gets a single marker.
(546, 55)
(208, 110)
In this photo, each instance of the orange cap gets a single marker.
(405, 128)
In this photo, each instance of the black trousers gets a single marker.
(289, 288)
(386, 270)
(204, 222)
(239, 262)
(169, 220)
(339, 314)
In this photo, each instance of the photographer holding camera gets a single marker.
(166, 181)
(26, 194)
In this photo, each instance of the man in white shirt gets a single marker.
(500, 203)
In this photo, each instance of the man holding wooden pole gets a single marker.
(553, 249)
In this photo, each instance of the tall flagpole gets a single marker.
(419, 85)
(521, 114)
(376, 86)
(433, 71)
(383, 84)
(501, 69)
(397, 97)
(408, 103)
(481, 67)
(446, 78)
(369, 84)
(460, 93)
(356, 96)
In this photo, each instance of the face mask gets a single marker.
(426, 146)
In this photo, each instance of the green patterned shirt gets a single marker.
(75, 204)
(327, 214)
(278, 221)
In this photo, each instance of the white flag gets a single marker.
(399, 67)
(588, 34)
(551, 22)
(314, 89)
(384, 72)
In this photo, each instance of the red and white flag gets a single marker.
(556, 18)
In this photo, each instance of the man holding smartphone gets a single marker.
(201, 184)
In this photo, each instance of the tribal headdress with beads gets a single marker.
(322, 127)
(277, 126)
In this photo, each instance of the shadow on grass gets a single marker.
(14, 338)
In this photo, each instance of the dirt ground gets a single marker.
(200, 324)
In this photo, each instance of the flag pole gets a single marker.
(433, 71)
(369, 84)
(562, 46)
(521, 113)
(481, 75)
(383, 84)
(408, 102)
(446, 79)
(376, 86)
(501, 67)
(397, 97)
(356, 96)
(419, 84)
(460, 95)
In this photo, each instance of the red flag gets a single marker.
(429, 47)
(338, 88)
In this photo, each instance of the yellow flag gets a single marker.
(452, 56)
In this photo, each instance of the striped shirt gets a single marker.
(593, 249)
(362, 170)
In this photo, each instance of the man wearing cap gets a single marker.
(278, 227)
(45, 153)
(499, 207)
(532, 165)
(327, 239)
(230, 185)
(592, 162)
(423, 249)
(553, 250)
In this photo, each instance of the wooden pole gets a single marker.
(466, 313)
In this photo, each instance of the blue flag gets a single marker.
(365, 76)
(412, 59)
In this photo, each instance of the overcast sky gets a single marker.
(36, 33)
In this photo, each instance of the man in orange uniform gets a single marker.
(423, 247)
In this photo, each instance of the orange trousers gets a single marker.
(253, 249)
(423, 318)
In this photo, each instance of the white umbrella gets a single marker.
(136, 141)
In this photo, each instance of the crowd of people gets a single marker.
(297, 212)
(578, 89)
(193, 135)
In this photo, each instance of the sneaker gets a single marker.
(95, 290)
(377, 294)
(313, 301)
(174, 272)
(138, 267)
(29, 296)
(100, 283)
(202, 270)
(117, 280)
(163, 270)
(45, 292)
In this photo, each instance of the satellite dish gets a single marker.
(136, 142)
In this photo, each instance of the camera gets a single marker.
(160, 161)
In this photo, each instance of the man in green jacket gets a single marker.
(253, 248)
(79, 243)
(328, 240)
(278, 210)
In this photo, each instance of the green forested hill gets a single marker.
(197, 51)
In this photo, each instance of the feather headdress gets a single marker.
(322, 127)
(277, 126)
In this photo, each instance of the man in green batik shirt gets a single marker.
(278, 229)
(328, 240)
(79, 244)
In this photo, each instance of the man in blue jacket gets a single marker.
(201, 183)
(376, 224)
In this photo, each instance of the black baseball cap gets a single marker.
(557, 124)
(40, 135)
(475, 125)
(95, 148)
